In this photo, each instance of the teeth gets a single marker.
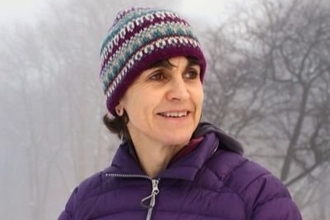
(174, 114)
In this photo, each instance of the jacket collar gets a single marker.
(185, 168)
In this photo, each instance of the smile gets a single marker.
(174, 114)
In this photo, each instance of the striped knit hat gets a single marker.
(138, 38)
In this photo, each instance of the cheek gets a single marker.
(199, 102)
(199, 96)
(133, 109)
(202, 95)
(138, 109)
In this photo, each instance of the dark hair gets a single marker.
(118, 125)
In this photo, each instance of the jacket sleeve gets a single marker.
(265, 197)
(86, 189)
(271, 200)
(277, 209)
(68, 213)
(65, 216)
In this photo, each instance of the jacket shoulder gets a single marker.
(89, 187)
(86, 190)
(262, 193)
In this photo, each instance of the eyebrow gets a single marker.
(167, 65)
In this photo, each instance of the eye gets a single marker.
(191, 74)
(157, 76)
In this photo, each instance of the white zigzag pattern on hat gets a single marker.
(159, 44)
(109, 45)
(140, 20)
(127, 47)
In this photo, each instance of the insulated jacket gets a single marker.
(214, 181)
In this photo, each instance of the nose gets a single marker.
(178, 90)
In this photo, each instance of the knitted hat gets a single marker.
(138, 38)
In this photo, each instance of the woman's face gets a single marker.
(164, 103)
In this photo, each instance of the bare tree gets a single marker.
(52, 105)
(272, 74)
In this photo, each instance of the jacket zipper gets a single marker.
(151, 197)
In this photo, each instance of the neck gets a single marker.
(154, 159)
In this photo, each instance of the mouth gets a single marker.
(180, 114)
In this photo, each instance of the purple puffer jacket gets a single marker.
(214, 181)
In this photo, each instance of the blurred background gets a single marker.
(267, 83)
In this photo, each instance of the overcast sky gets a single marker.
(28, 10)
(19, 10)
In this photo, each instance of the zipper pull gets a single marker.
(152, 196)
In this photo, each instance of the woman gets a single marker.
(169, 165)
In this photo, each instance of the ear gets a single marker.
(119, 110)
